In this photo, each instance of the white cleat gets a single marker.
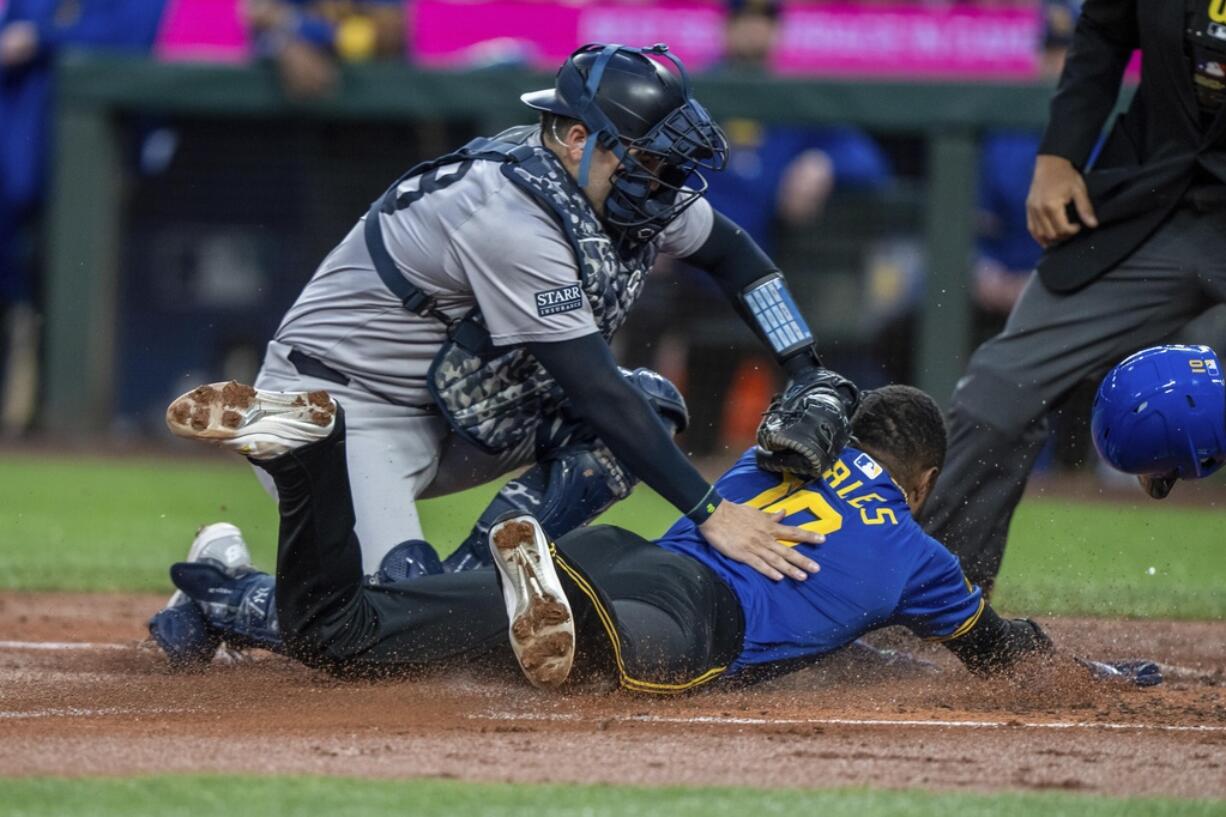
(220, 543)
(257, 424)
(542, 627)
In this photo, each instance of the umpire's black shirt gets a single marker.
(1172, 137)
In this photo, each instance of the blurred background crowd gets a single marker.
(222, 220)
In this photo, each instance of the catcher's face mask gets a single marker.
(650, 185)
(645, 115)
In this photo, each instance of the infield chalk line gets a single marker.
(52, 646)
(62, 645)
(84, 712)
(714, 720)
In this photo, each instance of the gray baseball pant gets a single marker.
(1052, 342)
(396, 455)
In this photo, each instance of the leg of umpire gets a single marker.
(1051, 343)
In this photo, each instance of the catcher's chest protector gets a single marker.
(495, 397)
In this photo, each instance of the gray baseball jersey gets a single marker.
(478, 240)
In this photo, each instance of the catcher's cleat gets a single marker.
(180, 628)
(542, 629)
(241, 606)
(183, 636)
(258, 424)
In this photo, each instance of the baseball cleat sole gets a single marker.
(542, 628)
(255, 423)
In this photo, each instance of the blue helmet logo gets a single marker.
(1162, 411)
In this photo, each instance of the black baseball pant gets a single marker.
(662, 621)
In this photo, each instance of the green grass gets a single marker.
(1134, 558)
(103, 524)
(106, 524)
(283, 796)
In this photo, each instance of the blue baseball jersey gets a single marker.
(878, 567)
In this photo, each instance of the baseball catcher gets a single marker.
(464, 323)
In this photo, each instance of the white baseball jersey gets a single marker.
(479, 240)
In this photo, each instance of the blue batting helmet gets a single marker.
(1163, 411)
(644, 113)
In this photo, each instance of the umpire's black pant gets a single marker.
(1051, 343)
(663, 621)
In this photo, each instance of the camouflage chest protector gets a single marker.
(495, 396)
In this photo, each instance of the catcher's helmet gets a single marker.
(634, 106)
(1162, 411)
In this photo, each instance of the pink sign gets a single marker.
(910, 41)
(458, 34)
(905, 40)
(202, 30)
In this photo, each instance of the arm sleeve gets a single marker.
(1103, 43)
(622, 418)
(732, 258)
(939, 604)
(734, 261)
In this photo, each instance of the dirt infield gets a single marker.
(79, 696)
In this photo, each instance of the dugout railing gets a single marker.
(84, 219)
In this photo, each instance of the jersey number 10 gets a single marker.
(789, 497)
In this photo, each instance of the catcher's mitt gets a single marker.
(805, 428)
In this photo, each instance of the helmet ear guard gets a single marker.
(1162, 412)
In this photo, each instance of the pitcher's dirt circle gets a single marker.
(79, 696)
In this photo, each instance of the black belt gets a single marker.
(313, 367)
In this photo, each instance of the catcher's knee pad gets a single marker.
(582, 484)
(410, 559)
(663, 396)
(563, 430)
(575, 479)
